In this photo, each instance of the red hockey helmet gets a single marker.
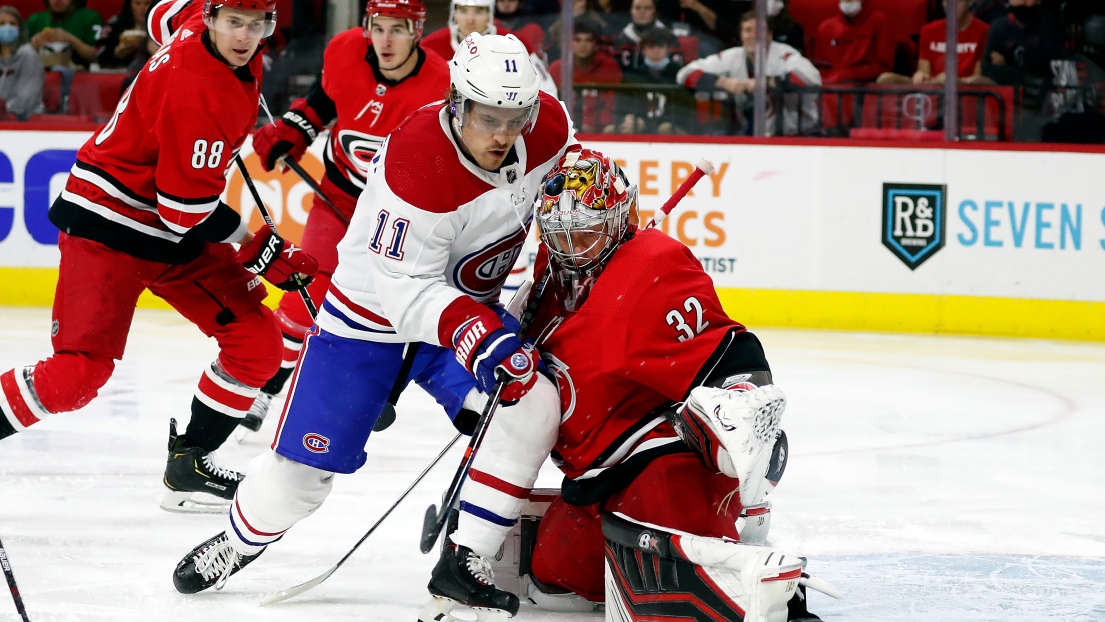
(414, 11)
(586, 210)
(211, 7)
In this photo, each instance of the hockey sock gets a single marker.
(209, 428)
(280, 378)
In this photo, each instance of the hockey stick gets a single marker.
(298, 170)
(291, 592)
(434, 520)
(300, 286)
(701, 169)
(10, 577)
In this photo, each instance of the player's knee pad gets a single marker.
(279, 492)
(653, 573)
(250, 347)
(69, 380)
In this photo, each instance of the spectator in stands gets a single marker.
(593, 108)
(581, 10)
(699, 18)
(971, 43)
(785, 28)
(1075, 105)
(21, 74)
(616, 13)
(627, 46)
(856, 45)
(124, 43)
(65, 34)
(660, 111)
(989, 10)
(731, 71)
(1020, 49)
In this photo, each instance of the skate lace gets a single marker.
(218, 560)
(216, 469)
(480, 568)
(260, 406)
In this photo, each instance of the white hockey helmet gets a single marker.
(493, 70)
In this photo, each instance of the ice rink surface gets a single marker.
(931, 478)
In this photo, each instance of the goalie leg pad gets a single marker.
(651, 572)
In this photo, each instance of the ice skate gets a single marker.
(464, 579)
(255, 418)
(196, 483)
(209, 564)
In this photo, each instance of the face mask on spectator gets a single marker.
(774, 7)
(8, 34)
(1026, 14)
(657, 65)
(851, 8)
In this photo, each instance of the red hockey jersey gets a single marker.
(650, 323)
(367, 107)
(148, 182)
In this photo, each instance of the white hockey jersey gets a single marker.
(432, 227)
(783, 61)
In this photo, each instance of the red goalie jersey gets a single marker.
(638, 343)
(148, 182)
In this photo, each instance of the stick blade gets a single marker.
(705, 166)
(430, 530)
(292, 592)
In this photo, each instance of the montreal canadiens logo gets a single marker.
(316, 443)
(482, 272)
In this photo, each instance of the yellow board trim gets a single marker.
(908, 313)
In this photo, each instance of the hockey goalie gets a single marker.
(669, 437)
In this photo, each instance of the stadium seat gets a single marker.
(914, 110)
(884, 133)
(27, 8)
(59, 118)
(95, 95)
(992, 128)
(688, 46)
(51, 91)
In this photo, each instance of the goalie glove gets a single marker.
(484, 346)
(289, 136)
(277, 259)
(734, 431)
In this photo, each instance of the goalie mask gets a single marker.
(587, 209)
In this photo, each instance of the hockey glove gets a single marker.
(277, 259)
(290, 136)
(734, 431)
(483, 345)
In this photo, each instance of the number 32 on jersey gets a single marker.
(688, 322)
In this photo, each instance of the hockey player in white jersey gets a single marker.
(447, 206)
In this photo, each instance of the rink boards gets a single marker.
(818, 235)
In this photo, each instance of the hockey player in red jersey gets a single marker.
(141, 210)
(372, 78)
(468, 16)
(631, 326)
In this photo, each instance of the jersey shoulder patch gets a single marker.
(549, 135)
(422, 166)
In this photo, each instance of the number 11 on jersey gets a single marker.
(398, 235)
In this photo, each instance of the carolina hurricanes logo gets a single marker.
(482, 272)
(564, 385)
(359, 148)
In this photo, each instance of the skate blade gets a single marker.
(193, 503)
(440, 609)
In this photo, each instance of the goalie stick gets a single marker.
(9, 576)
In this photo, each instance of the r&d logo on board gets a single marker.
(913, 221)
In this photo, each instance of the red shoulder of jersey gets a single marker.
(549, 134)
(351, 42)
(439, 42)
(420, 157)
(167, 16)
